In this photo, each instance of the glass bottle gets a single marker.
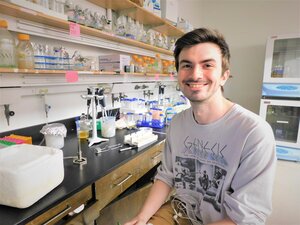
(25, 53)
(7, 47)
(157, 64)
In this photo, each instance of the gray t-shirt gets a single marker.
(223, 168)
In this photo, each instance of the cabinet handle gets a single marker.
(58, 215)
(124, 180)
(158, 154)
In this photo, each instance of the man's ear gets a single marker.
(225, 77)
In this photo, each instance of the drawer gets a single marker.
(150, 158)
(55, 214)
(114, 183)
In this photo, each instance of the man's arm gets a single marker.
(156, 198)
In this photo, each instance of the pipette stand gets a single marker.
(94, 139)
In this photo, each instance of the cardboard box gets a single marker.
(148, 4)
(169, 10)
(113, 62)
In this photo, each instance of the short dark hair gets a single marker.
(203, 35)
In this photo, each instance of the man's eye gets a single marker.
(186, 66)
(208, 65)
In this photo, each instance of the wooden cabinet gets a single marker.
(59, 211)
(114, 183)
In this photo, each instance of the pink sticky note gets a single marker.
(71, 76)
(156, 76)
(74, 29)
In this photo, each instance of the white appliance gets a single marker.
(283, 116)
(282, 60)
(280, 103)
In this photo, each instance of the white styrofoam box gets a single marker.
(169, 10)
(113, 62)
(28, 173)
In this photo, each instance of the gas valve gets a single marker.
(8, 113)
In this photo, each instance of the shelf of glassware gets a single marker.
(27, 14)
(142, 15)
(58, 72)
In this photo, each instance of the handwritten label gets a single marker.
(74, 29)
(71, 76)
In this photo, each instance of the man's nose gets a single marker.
(197, 72)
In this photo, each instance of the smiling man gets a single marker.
(227, 153)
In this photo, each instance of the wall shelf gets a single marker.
(131, 9)
(61, 72)
(166, 28)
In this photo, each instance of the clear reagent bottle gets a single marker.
(25, 53)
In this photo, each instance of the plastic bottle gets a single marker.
(7, 47)
(25, 53)
(157, 64)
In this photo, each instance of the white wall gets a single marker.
(246, 25)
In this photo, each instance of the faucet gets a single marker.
(148, 93)
(114, 99)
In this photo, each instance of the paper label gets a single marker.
(71, 76)
(74, 29)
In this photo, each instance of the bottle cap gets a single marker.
(3, 23)
(23, 37)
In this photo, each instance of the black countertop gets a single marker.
(76, 177)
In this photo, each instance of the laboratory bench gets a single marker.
(105, 177)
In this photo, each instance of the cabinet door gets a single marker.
(55, 214)
(132, 203)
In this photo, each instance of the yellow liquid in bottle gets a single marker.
(83, 134)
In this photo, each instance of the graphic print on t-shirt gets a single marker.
(201, 170)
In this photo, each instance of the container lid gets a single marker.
(3, 23)
(23, 37)
(56, 129)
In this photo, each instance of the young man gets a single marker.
(229, 151)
